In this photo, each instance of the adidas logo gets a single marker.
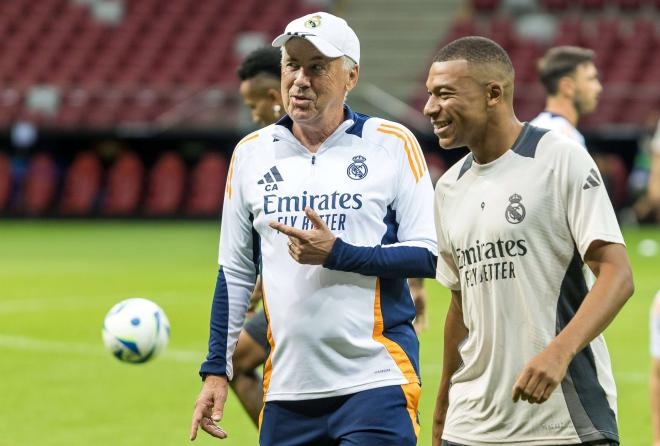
(593, 180)
(271, 179)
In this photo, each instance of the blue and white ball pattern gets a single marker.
(136, 330)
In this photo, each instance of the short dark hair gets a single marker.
(475, 50)
(261, 61)
(561, 61)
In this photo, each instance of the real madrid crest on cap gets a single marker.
(357, 169)
(515, 211)
(313, 22)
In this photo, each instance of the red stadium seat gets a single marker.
(555, 5)
(81, 185)
(485, 5)
(5, 181)
(629, 5)
(207, 186)
(167, 181)
(39, 185)
(593, 4)
(59, 43)
(124, 186)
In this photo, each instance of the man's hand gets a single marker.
(541, 375)
(311, 247)
(209, 407)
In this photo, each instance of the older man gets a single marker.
(334, 209)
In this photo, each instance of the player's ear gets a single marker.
(566, 86)
(274, 95)
(353, 76)
(494, 93)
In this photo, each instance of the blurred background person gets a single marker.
(260, 85)
(647, 206)
(571, 83)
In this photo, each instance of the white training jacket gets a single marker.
(345, 326)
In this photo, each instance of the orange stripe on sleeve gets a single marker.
(414, 146)
(230, 175)
(420, 152)
(406, 147)
(268, 366)
(396, 352)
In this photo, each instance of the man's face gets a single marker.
(587, 88)
(257, 99)
(457, 104)
(312, 84)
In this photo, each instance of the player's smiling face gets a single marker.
(313, 85)
(457, 103)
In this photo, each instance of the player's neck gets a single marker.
(496, 140)
(312, 134)
(562, 107)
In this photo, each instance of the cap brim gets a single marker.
(327, 49)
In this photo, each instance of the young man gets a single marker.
(571, 83)
(342, 366)
(260, 85)
(260, 89)
(524, 361)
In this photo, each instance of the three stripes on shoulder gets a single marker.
(411, 146)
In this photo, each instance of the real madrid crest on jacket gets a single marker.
(515, 211)
(369, 182)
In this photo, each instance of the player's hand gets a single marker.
(209, 407)
(541, 375)
(311, 247)
(439, 416)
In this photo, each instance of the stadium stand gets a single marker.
(126, 70)
(207, 186)
(68, 66)
(165, 189)
(5, 181)
(39, 185)
(81, 185)
(621, 32)
(123, 187)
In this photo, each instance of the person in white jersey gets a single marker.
(333, 208)
(655, 369)
(524, 359)
(571, 83)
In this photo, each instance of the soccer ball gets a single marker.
(136, 330)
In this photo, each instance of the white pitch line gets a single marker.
(36, 305)
(63, 347)
(189, 356)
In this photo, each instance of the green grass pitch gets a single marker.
(58, 385)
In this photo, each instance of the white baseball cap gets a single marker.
(330, 34)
